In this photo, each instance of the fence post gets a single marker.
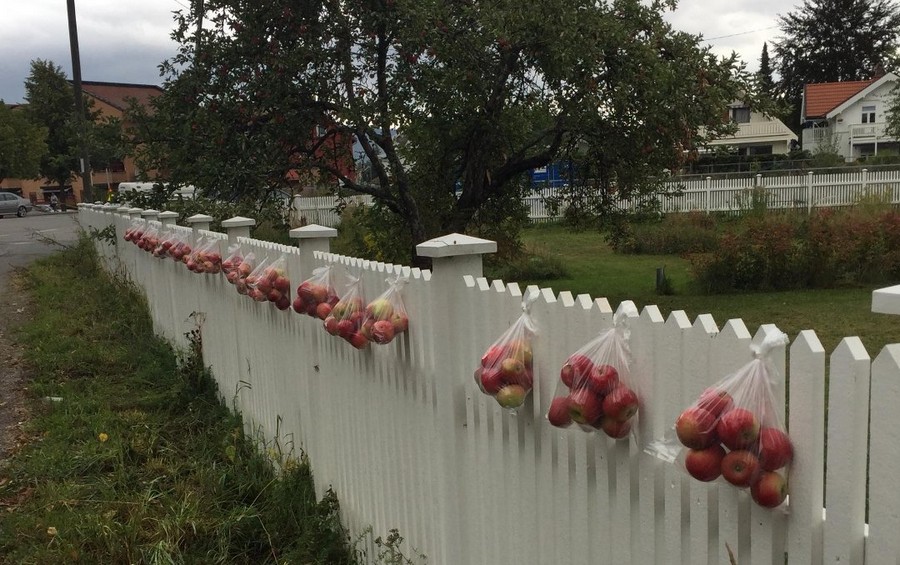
(236, 227)
(886, 300)
(168, 218)
(758, 181)
(865, 179)
(453, 257)
(201, 222)
(708, 194)
(809, 193)
(311, 238)
(133, 213)
(149, 215)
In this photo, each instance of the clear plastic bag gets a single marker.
(316, 295)
(134, 232)
(166, 240)
(205, 257)
(244, 270)
(234, 256)
(269, 282)
(506, 371)
(345, 319)
(733, 431)
(149, 239)
(386, 316)
(595, 387)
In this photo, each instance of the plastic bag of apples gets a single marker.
(269, 282)
(507, 367)
(316, 295)
(245, 267)
(734, 430)
(386, 317)
(233, 258)
(345, 319)
(205, 257)
(593, 389)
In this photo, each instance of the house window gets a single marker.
(740, 115)
(868, 114)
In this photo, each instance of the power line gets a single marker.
(739, 33)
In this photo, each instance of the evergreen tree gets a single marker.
(766, 83)
(834, 40)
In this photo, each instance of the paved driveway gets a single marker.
(21, 239)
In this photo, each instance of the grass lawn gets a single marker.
(594, 269)
(132, 458)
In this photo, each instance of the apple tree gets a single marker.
(450, 103)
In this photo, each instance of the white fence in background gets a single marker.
(406, 439)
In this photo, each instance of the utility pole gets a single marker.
(85, 161)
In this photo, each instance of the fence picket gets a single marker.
(884, 521)
(845, 486)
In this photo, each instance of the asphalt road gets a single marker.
(22, 239)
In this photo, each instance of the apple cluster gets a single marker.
(727, 440)
(596, 398)
(239, 273)
(270, 284)
(204, 261)
(315, 298)
(345, 320)
(384, 319)
(507, 372)
(230, 266)
(134, 233)
(146, 240)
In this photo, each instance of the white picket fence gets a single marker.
(407, 441)
(805, 192)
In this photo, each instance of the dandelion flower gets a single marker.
(103, 437)
(51, 531)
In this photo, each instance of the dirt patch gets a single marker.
(14, 309)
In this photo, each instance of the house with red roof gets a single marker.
(849, 117)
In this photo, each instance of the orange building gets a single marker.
(110, 99)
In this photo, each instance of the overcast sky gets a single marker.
(125, 40)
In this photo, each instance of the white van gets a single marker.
(184, 192)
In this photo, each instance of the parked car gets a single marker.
(14, 204)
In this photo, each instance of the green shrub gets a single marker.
(831, 248)
(675, 234)
(529, 265)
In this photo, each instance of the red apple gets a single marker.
(715, 400)
(511, 396)
(382, 331)
(581, 363)
(282, 284)
(696, 428)
(323, 309)
(585, 407)
(283, 303)
(738, 428)
(298, 305)
(493, 356)
(775, 449)
(521, 349)
(346, 328)
(620, 404)
(358, 340)
(614, 428)
(769, 490)
(705, 464)
(491, 381)
(567, 374)
(526, 379)
(331, 325)
(558, 414)
(603, 379)
(740, 467)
